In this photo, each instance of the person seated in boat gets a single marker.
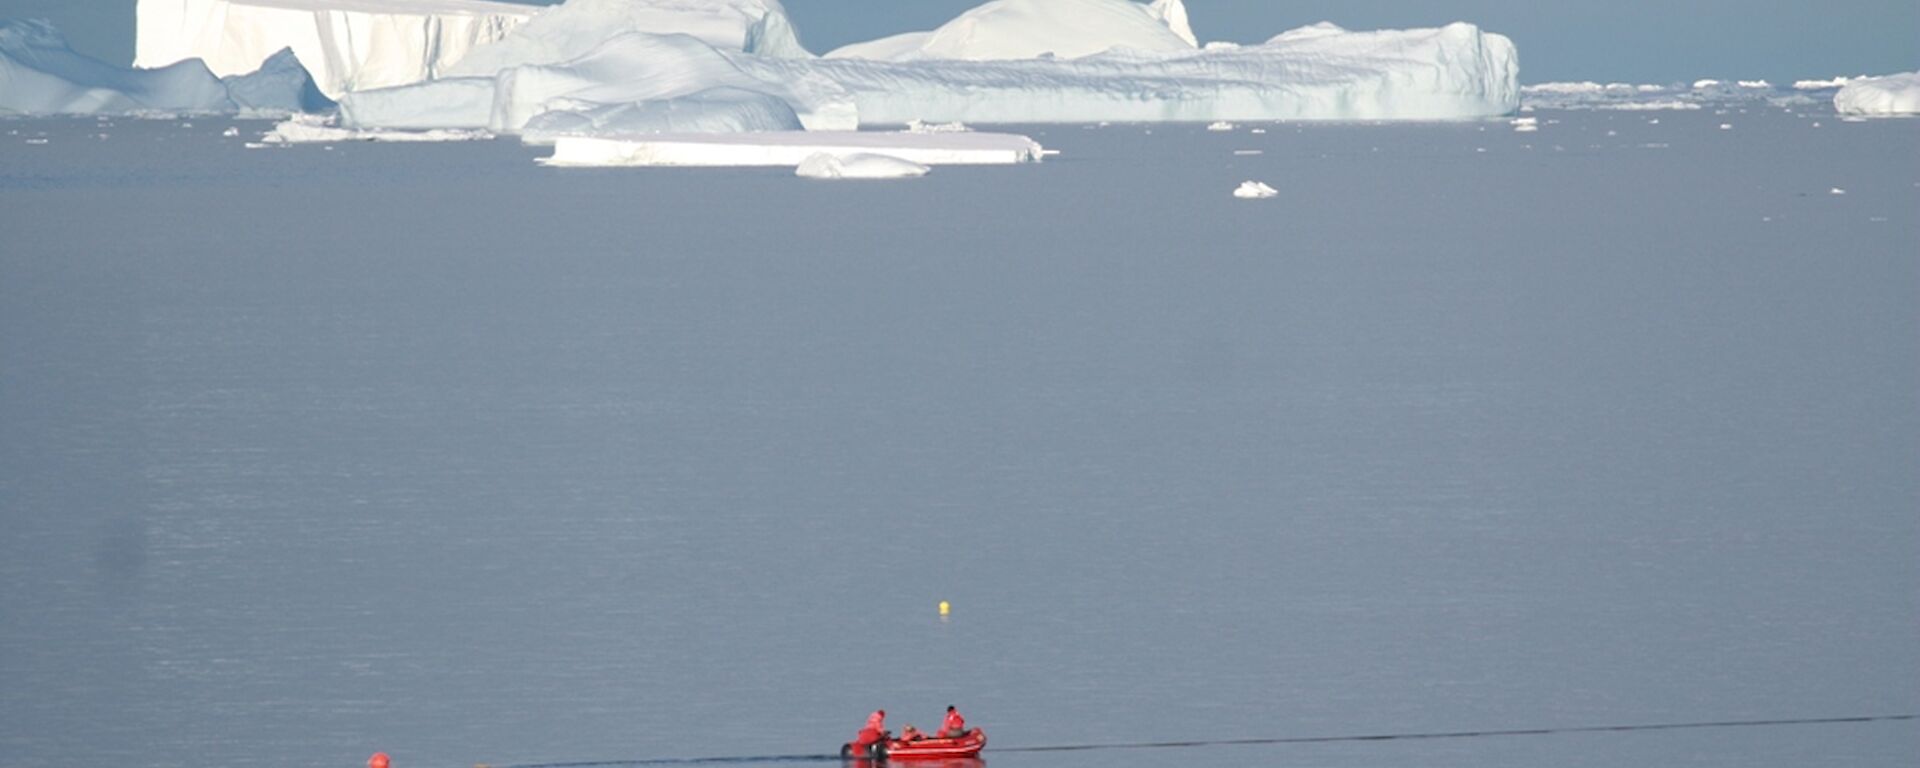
(874, 731)
(955, 725)
(911, 733)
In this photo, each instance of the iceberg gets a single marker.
(41, 75)
(1316, 73)
(1897, 94)
(1254, 190)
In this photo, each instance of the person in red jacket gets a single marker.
(955, 726)
(875, 730)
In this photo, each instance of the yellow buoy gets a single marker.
(944, 608)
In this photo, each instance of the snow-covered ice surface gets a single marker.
(346, 44)
(432, 450)
(858, 165)
(791, 148)
(1889, 95)
(1027, 29)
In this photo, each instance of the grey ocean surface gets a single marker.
(313, 452)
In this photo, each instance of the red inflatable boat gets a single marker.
(965, 745)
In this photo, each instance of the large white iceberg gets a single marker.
(1456, 71)
(1321, 72)
(1897, 94)
(1027, 29)
(41, 75)
(627, 66)
(346, 44)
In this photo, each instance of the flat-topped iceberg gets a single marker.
(346, 44)
(1897, 94)
(1456, 71)
(41, 75)
(791, 148)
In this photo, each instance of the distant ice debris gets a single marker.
(1836, 191)
(916, 126)
(41, 75)
(1220, 125)
(1525, 124)
(1254, 190)
(1819, 85)
(1897, 94)
(791, 148)
(1649, 97)
(859, 165)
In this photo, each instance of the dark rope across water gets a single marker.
(1494, 733)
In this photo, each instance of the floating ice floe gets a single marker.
(1220, 125)
(859, 165)
(1254, 190)
(1525, 124)
(790, 148)
(41, 75)
(315, 129)
(1820, 85)
(916, 126)
(1897, 94)
(1700, 94)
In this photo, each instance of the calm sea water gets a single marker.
(309, 453)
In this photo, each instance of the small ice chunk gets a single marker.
(231, 132)
(1836, 191)
(1220, 125)
(917, 126)
(825, 165)
(1525, 124)
(1254, 190)
(1726, 126)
